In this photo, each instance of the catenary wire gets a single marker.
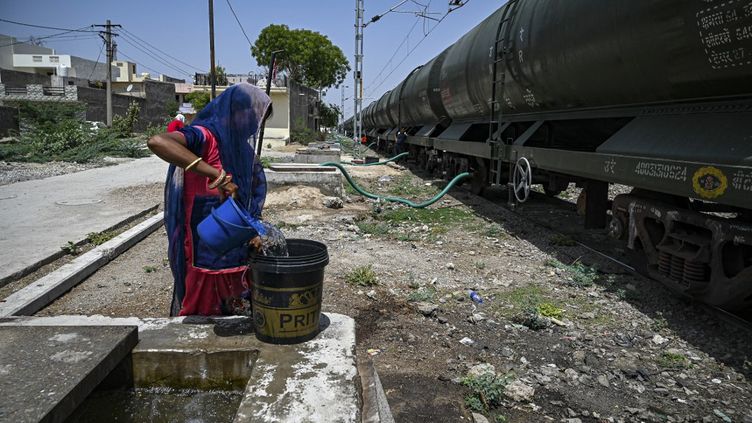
(48, 27)
(238, 21)
(413, 49)
(155, 58)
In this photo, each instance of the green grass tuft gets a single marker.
(362, 276)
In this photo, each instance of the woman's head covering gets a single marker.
(234, 117)
(180, 117)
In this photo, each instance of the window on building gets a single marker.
(118, 64)
(36, 58)
(54, 59)
(133, 69)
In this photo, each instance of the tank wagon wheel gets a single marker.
(522, 179)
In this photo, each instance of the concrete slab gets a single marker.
(38, 294)
(330, 183)
(310, 382)
(317, 155)
(37, 217)
(315, 381)
(46, 372)
(301, 167)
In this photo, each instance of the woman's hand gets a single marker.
(256, 244)
(228, 189)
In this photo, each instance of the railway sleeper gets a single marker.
(703, 256)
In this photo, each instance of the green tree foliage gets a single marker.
(122, 126)
(221, 75)
(198, 99)
(329, 115)
(309, 57)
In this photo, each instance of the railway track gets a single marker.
(631, 263)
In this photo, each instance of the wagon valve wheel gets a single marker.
(522, 179)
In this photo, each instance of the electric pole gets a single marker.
(342, 108)
(213, 70)
(358, 76)
(110, 46)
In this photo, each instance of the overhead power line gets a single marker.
(404, 40)
(372, 90)
(154, 57)
(48, 27)
(162, 51)
(49, 36)
(97, 62)
(238, 21)
(120, 51)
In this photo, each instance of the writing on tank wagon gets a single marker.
(722, 27)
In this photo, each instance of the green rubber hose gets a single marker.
(397, 157)
(405, 201)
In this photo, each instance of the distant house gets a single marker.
(295, 105)
(23, 57)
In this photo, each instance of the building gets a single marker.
(29, 58)
(128, 73)
(295, 106)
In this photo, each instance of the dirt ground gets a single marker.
(561, 333)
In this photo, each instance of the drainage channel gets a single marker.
(49, 281)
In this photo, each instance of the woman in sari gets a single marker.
(212, 159)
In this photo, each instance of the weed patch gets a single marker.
(71, 248)
(406, 186)
(579, 274)
(150, 269)
(486, 391)
(670, 360)
(373, 228)
(423, 294)
(99, 238)
(362, 276)
(550, 310)
(445, 216)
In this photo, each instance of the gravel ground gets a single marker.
(12, 172)
(554, 341)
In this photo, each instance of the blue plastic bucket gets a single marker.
(226, 227)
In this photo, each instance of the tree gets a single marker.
(329, 115)
(221, 75)
(198, 99)
(309, 57)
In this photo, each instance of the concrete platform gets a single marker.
(46, 372)
(328, 181)
(315, 381)
(39, 216)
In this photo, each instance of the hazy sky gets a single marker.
(181, 29)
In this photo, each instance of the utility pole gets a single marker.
(342, 107)
(213, 70)
(358, 76)
(110, 46)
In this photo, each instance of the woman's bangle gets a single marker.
(193, 163)
(217, 182)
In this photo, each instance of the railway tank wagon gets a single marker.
(654, 94)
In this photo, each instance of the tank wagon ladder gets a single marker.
(500, 56)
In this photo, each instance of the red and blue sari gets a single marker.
(223, 135)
